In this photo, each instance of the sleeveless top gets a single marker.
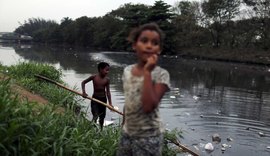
(137, 122)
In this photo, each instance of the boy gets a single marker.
(101, 86)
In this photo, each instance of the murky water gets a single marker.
(206, 97)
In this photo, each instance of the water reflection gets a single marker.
(207, 97)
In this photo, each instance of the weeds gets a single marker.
(30, 129)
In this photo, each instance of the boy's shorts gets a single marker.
(97, 109)
(148, 146)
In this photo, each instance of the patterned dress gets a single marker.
(141, 131)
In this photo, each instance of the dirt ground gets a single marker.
(25, 94)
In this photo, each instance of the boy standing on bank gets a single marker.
(101, 87)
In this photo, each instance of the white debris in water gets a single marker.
(176, 89)
(218, 112)
(209, 147)
(106, 122)
(188, 114)
(261, 134)
(196, 148)
(223, 149)
(115, 107)
(268, 147)
(233, 115)
(172, 97)
(195, 97)
(225, 145)
(229, 139)
(167, 129)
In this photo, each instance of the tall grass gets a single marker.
(30, 129)
(24, 74)
(24, 131)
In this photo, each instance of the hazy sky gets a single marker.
(14, 11)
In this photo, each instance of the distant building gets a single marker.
(14, 37)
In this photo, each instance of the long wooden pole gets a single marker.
(110, 107)
(90, 98)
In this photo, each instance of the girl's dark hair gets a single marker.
(135, 33)
(102, 65)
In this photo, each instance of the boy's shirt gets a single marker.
(137, 122)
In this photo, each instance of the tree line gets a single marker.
(234, 24)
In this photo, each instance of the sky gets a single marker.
(13, 12)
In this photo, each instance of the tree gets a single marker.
(33, 25)
(84, 31)
(261, 10)
(219, 12)
(132, 15)
(104, 29)
(187, 24)
(161, 14)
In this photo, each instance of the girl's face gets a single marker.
(147, 44)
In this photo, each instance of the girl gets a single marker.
(144, 83)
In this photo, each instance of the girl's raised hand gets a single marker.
(151, 62)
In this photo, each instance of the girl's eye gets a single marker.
(155, 42)
(143, 40)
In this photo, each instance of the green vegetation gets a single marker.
(24, 74)
(24, 131)
(27, 128)
(211, 25)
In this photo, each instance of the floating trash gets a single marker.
(195, 97)
(196, 148)
(223, 149)
(229, 139)
(209, 147)
(172, 97)
(268, 147)
(216, 137)
(188, 114)
(115, 107)
(261, 134)
(167, 129)
(225, 145)
(218, 112)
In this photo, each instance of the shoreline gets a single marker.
(249, 56)
(240, 56)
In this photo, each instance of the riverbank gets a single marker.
(243, 56)
(247, 56)
(34, 126)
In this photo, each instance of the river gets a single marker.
(206, 97)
